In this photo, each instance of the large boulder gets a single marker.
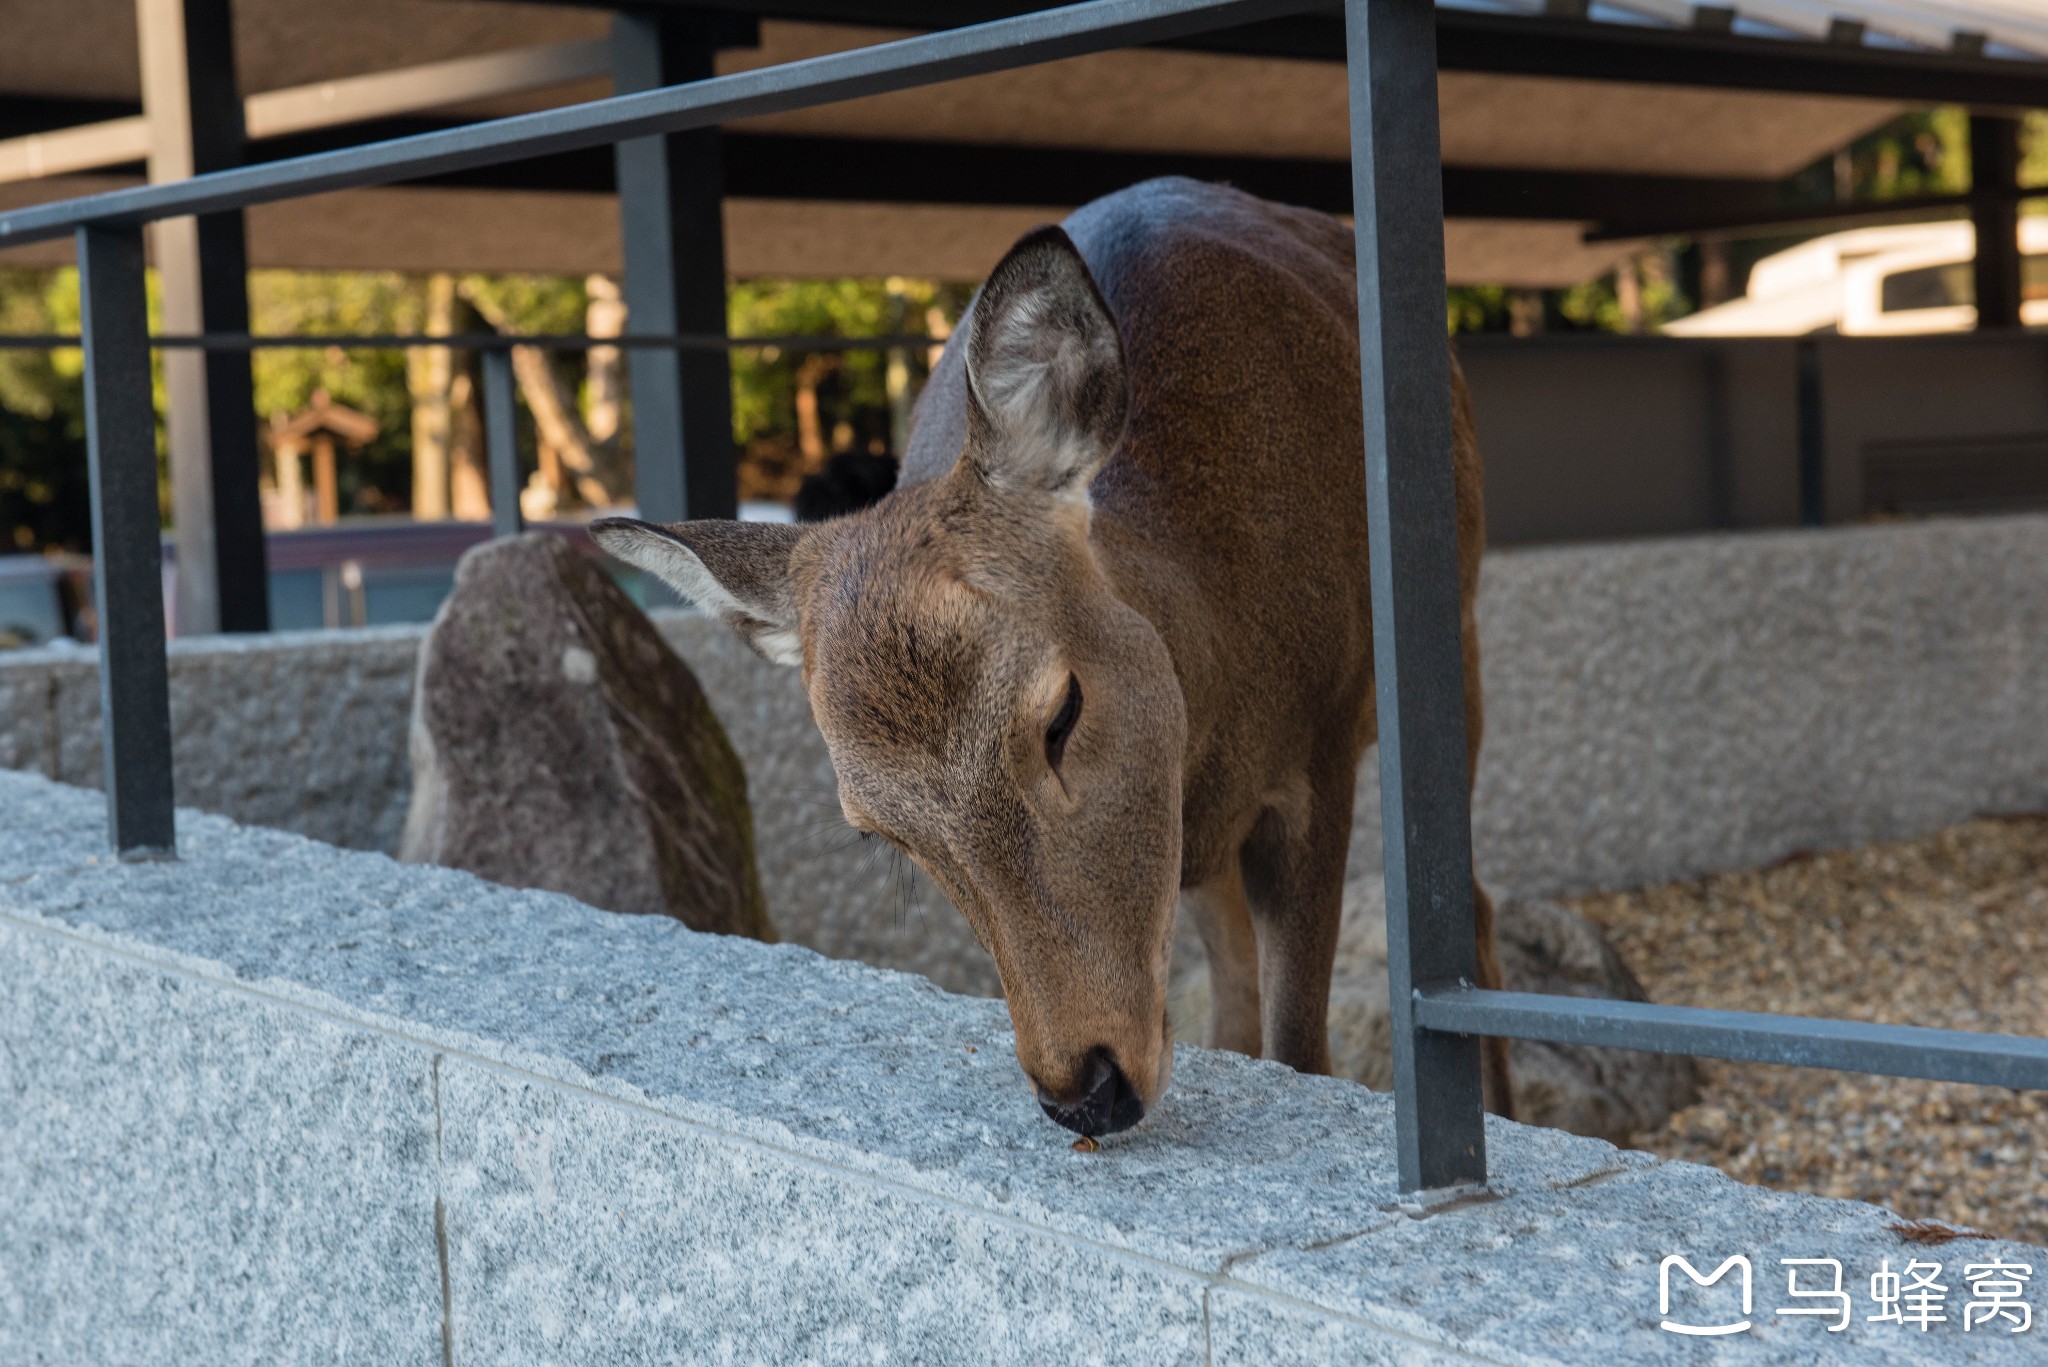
(558, 743)
(1609, 1094)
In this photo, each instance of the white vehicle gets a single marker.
(1872, 282)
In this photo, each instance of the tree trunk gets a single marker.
(469, 481)
(603, 394)
(429, 377)
(593, 468)
(1628, 293)
(810, 431)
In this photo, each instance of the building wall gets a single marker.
(1599, 437)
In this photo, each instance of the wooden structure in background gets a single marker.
(314, 430)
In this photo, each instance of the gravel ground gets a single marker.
(1947, 930)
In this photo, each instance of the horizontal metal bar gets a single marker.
(1745, 1036)
(491, 341)
(927, 59)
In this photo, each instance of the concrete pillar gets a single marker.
(194, 109)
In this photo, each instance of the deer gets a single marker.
(1105, 653)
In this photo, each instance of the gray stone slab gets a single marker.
(921, 1085)
(31, 721)
(660, 1145)
(1249, 1329)
(1570, 1275)
(581, 1230)
(189, 1174)
(1659, 709)
(300, 730)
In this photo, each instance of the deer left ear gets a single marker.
(739, 570)
(1046, 386)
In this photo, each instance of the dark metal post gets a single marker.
(1720, 446)
(195, 122)
(671, 195)
(1995, 210)
(120, 426)
(501, 442)
(1813, 453)
(1418, 656)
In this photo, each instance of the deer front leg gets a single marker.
(1496, 1081)
(1225, 923)
(1294, 880)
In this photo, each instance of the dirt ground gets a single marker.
(1947, 930)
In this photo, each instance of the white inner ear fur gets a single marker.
(678, 566)
(1032, 366)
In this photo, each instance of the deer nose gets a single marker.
(1108, 1102)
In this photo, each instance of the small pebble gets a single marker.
(1949, 930)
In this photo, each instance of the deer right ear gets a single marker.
(739, 570)
(1046, 387)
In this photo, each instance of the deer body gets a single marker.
(1108, 646)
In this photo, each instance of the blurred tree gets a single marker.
(378, 478)
(791, 409)
(43, 478)
(1926, 152)
(1477, 308)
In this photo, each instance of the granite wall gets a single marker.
(278, 1102)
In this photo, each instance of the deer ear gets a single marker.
(739, 570)
(1046, 389)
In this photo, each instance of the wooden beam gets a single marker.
(195, 126)
(1531, 45)
(326, 104)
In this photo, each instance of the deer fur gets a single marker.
(1133, 505)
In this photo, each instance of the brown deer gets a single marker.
(1107, 647)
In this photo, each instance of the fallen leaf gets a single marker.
(1085, 1144)
(1933, 1232)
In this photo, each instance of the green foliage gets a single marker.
(43, 481)
(1594, 306)
(2034, 156)
(854, 392)
(534, 303)
(1477, 308)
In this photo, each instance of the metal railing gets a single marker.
(1397, 196)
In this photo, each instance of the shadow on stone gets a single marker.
(1609, 1094)
(557, 742)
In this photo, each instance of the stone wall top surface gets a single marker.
(1273, 1191)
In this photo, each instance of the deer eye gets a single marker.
(1063, 724)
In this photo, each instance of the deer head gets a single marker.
(993, 707)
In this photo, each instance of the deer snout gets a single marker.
(1103, 1102)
